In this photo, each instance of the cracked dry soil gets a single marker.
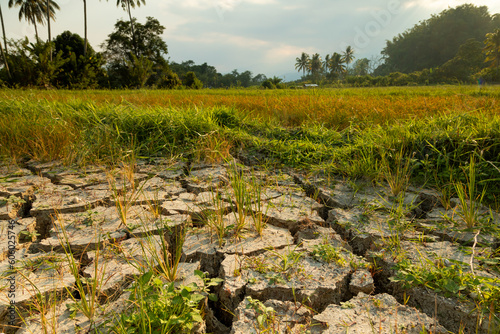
(322, 264)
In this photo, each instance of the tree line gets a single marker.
(459, 44)
(134, 56)
(333, 67)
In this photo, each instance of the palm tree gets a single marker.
(326, 63)
(3, 31)
(35, 11)
(126, 5)
(348, 55)
(337, 66)
(302, 63)
(4, 53)
(492, 48)
(85, 27)
(315, 65)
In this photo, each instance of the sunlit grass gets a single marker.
(341, 131)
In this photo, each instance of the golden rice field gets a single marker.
(334, 108)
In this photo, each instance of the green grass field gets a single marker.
(352, 132)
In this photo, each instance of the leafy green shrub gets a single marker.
(225, 117)
(157, 307)
(191, 81)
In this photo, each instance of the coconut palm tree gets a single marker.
(4, 53)
(348, 56)
(3, 31)
(126, 5)
(336, 65)
(326, 63)
(302, 63)
(315, 66)
(85, 27)
(35, 11)
(492, 48)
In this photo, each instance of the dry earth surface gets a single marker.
(322, 264)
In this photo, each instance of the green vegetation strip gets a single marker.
(436, 149)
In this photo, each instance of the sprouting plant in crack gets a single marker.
(169, 257)
(126, 194)
(88, 289)
(256, 204)
(469, 200)
(265, 316)
(287, 262)
(216, 220)
(397, 173)
(242, 198)
(325, 252)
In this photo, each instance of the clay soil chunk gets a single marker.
(380, 313)
(146, 224)
(452, 312)
(33, 274)
(10, 207)
(361, 281)
(288, 274)
(363, 230)
(84, 230)
(53, 198)
(194, 205)
(164, 169)
(60, 320)
(460, 234)
(156, 190)
(19, 234)
(115, 265)
(20, 185)
(206, 179)
(202, 245)
(342, 195)
(275, 317)
(291, 211)
(12, 171)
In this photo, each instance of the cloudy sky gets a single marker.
(263, 36)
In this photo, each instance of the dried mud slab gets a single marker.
(203, 245)
(16, 235)
(115, 265)
(206, 179)
(287, 275)
(342, 194)
(156, 190)
(376, 314)
(11, 207)
(21, 185)
(85, 230)
(41, 273)
(53, 198)
(313, 235)
(361, 281)
(164, 169)
(455, 313)
(60, 320)
(460, 233)
(198, 207)
(292, 211)
(274, 316)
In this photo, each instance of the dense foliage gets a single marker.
(433, 42)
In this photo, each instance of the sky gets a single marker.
(263, 36)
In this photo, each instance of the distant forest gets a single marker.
(458, 45)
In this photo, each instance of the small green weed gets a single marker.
(163, 308)
(325, 252)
